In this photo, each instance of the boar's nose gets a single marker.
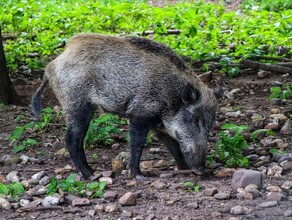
(198, 171)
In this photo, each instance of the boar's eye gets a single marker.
(196, 119)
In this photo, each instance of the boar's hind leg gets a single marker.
(138, 134)
(173, 147)
(78, 120)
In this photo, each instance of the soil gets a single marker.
(171, 201)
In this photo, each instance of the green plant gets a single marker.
(277, 92)
(230, 145)
(231, 71)
(190, 186)
(24, 145)
(14, 189)
(76, 187)
(260, 133)
(102, 128)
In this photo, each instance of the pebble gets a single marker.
(252, 157)
(287, 184)
(115, 146)
(206, 77)
(224, 172)
(166, 218)
(117, 166)
(24, 159)
(234, 114)
(13, 160)
(127, 213)
(288, 213)
(91, 212)
(63, 152)
(3, 179)
(275, 171)
(4, 204)
(285, 158)
(108, 173)
(166, 175)
(99, 208)
(128, 199)
(274, 196)
(81, 202)
(240, 210)
(50, 201)
(44, 181)
(286, 165)
(110, 195)
(210, 191)
(69, 198)
(12, 176)
(272, 126)
(38, 175)
(111, 208)
(243, 177)
(147, 164)
(268, 204)
(273, 188)
(193, 205)
(287, 128)
(222, 196)
(24, 202)
(158, 184)
(132, 183)
(33, 181)
(216, 215)
(108, 180)
(60, 171)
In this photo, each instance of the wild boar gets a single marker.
(137, 78)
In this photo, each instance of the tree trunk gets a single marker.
(8, 94)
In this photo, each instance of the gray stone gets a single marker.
(286, 165)
(193, 205)
(81, 202)
(239, 210)
(242, 178)
(274, 196)
(99, 208)
(222, 196)
(288, 213)
(69, 198)
(91, 212)
(268, 204)
(287, 128)
(287, 158)
(23, 202)
(128, 199)
(108, 180)
(44, 181)
(275, 101)
(50, 201)
(4, 204)
(110, 195)
(38, 175)
(12, 176)
(111, 208)
(158, 184)
(275, 171)
(166, 175)
(210, 191)
(252, 157)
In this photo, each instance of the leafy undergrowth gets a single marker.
(36, 30)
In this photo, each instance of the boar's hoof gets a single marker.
(198, 171)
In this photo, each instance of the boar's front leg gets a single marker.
(173, 147)
(78, 119)
(138, 133)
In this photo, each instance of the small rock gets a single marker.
(287, 158)
(275, 101)
(69, 198)
(12, 176)
(110, 195)
(38, 175)
(50, 201)
(33, 182)
(166, 218)
(158, 184)
(193, 205)
(224, 172)
(288, 213)
(91, 212)
(147, 164)
(252, 188)
(13, 160)
(81, 202)
(117, 166)
(166, 175)
(127, 213)
(272, 126)
(111, 208)
(132, 183)
(274, 189)
(24, 159)
(108, 173)
(108, 180)
(241, 195)
(216, 215)
(3, 179)
(4, 204)
(275, 171)
(234, 114)
(279, 117)
(243, 177)
(286, 165)
(233, 218)
(115, 146)
(63, 152)
(68, 167)
(210, 191)
(206, 77)
(222, 196)
(275, 110)
(239, 210)
(252, 157)
(24, 202)
(263, 74)
(268, 204)
(150, 217)
(274, 196)
(60, 171)
(44, 181)
(224, 110)
(287, 128)
(128, 199)
(287, 185)
(99, 208)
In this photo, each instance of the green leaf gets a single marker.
(3, 189)
(18, 148)
(53, 186)
(17, 133)
(16, 189)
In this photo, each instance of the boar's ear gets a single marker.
(190, 94)
(218, 91)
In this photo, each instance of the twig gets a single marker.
(270, 67)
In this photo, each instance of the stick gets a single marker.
(258, 65)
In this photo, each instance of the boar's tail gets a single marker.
(36, 99)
